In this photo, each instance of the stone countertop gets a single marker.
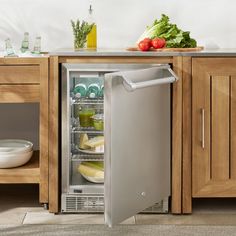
(122, 52)
(109, 53)
(24, 55)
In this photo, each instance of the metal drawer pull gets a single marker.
(203, 127)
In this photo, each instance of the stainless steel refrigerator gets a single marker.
(135, 100)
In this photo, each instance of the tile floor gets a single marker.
(19, 205)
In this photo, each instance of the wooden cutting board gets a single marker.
(168, 49)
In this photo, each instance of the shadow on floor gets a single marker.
(214, 205)
(18, 196)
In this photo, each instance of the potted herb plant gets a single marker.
(80, 31)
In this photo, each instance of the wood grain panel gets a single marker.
(19, 93)
(176, 195)
(43, 137)
(218, 188)
(222, 179)
(22, 74)
(220, 127)
(28, 173)
(201, 100)
(121, 59)
(187, 136)
(54, 136)
(219, 66)
(233, 128)
(22, 60)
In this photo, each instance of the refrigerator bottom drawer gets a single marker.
(94, 203)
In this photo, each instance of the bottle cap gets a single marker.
(92, 95)
(78, 95)
(90, 9)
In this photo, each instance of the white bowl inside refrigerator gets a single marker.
(15, 159)
(15, 145)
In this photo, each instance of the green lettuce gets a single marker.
(175, 37)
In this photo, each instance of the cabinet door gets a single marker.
(214, 127)
(137, 137)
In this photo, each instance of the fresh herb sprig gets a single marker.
(80, 31)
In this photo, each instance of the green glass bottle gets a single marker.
(80, 90)
(93, 90)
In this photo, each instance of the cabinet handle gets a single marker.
(203, 127)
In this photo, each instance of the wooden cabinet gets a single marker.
(203, 126)
(25, 80)
(54, 135)
(213, 127)
(208, 129)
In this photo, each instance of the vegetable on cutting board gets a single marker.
(174, 37)
(158, 43)
(144, 45)
(148, 40)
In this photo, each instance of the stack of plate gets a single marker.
(14, 152)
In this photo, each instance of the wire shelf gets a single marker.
(83, 130)
(87, 157)
(87, 101)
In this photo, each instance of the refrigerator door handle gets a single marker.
(131, 86)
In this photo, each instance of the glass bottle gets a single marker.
(101, 94)
(37, 45)
(80, 90)
(25, 43)
(92, 36)
(93, 90)
(9, 49)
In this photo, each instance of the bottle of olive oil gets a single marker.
(92, 36)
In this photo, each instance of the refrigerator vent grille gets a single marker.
(93, 204)
(160, 207)
(84, 204)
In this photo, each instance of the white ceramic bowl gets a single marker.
(14, 159)
(15, 145)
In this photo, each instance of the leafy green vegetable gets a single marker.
(175, 37)
(80, 31)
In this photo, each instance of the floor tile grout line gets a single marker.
(24, 218)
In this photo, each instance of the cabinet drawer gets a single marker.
(29, 74)
(19, 93)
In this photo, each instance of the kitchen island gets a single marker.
(195, 119)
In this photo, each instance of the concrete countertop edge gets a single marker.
(123, 52)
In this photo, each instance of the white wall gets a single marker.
(120, 22)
